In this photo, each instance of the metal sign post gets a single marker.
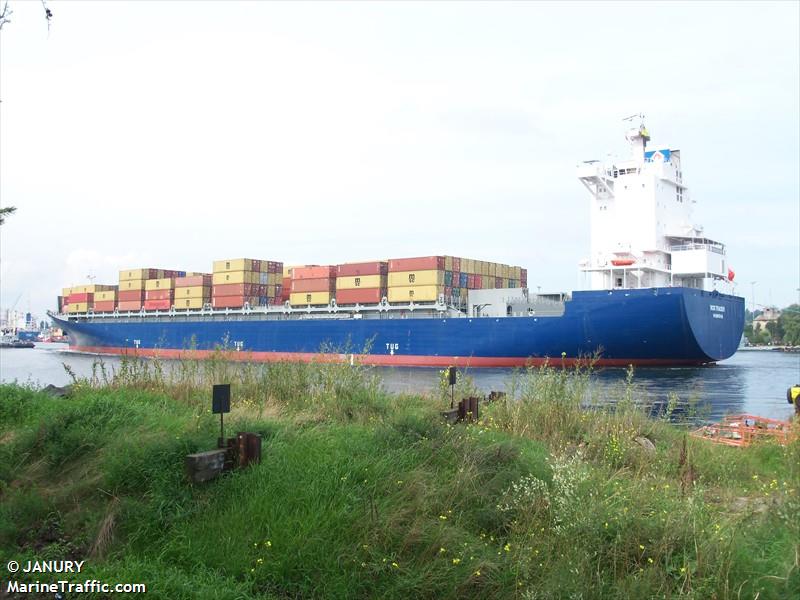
(221, 404)
(451, 374)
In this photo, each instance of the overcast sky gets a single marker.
(172, 134)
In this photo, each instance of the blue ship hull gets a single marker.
(655, 326)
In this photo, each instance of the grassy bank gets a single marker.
(362, 494)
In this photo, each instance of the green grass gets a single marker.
(361, 494)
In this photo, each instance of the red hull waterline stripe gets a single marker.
(389, 360)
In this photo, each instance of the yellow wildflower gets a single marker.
(456, 561)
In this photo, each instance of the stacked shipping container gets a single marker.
(361, 283)
(235, 282)
(81, 298)
(135, 285)
(314, 285)
(245, 280)
(416, 279)
(424, 279)
(192, 291)
(105, 301)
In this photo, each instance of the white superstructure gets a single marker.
(642, 234)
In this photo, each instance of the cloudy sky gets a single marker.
(172, 134)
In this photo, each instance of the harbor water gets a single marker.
(751, 381)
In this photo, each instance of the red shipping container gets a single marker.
(448, 292)
(314, 272)
(422, 263)
(456, 264)
(274, 267)
(360, 296)
(364, 268)
(313, 285)
(523, 277)
(233, 301)
(158, 295)
(131, 295)
(82, 297)
(498, 282)
(104, 306)
(130, 305)
(471, 282)
(194, 280)
(157, 304)
(233, 289)
(479, 282)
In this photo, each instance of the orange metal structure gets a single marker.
(743, 430)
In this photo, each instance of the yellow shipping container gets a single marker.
(448, 263)
(468, 266)
(66, 291)
(89, 289)
(304, 298)
(235, 277)
(416, 293)
(191, 302)
(165, 283)
(131, 284)
(234, 264)
(492, 269)
(78, 307)
(516, 272)
(360, 281)
(105, 296)
(138, 274)
(406, 278)
(194, 291)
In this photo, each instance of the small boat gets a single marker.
(743, 430)
(11, 341)
(622, 262)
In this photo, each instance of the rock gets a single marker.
(58, 392)
(645, 443)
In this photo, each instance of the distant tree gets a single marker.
(775, 331)
(790, 324)
(6, 211)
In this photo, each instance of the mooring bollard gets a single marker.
(467, 410)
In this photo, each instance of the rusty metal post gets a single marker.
(253, 449)
(231, 461)
(241, 444)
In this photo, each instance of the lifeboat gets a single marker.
(622, 262)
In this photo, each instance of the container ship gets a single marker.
(658, 293)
